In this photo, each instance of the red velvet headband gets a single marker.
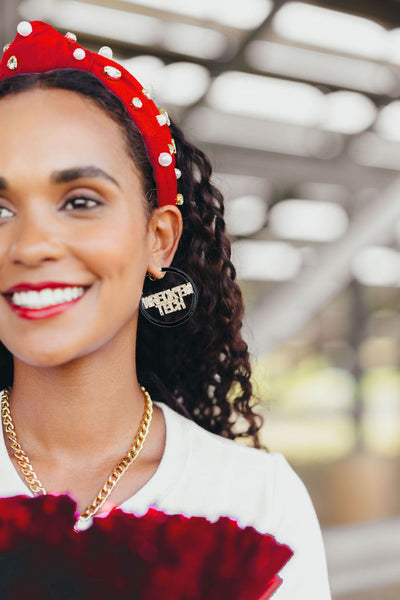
(38, 48)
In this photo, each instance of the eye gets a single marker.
(80, 203)
(5, 213)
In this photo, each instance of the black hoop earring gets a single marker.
(160, 304)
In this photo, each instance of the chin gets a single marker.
(42, 355)
(43, 359)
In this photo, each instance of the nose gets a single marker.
(34, 241)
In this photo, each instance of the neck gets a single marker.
(77, 409)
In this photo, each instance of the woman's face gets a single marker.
(75, 240)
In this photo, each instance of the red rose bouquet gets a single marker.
(126, 557)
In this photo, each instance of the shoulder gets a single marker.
(214, 451)
(255, 484)
(220, 477)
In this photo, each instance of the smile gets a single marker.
(35, 301)
(45, 298)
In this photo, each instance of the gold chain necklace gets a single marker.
(119, 469)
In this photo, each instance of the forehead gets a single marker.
(54, 129)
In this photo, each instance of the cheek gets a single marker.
(8, 233)
(117, 252)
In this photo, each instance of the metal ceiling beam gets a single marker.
(283, 169)
(386, 11)
(237, 61)
(279, 314)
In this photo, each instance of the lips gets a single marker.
(40, 300)
(41, 285)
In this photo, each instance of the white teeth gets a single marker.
(46, 297)
(58, 296)
(32, 299)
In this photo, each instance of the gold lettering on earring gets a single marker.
(170, 300)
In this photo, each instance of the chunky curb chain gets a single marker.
(114, 477)
(22, 459)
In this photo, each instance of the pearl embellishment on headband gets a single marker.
(6, 47)
(106, 52)
(24, 28)
(136, 102)
(178, 173)
(146, 93)
(12, 63)
(165, 159)
(112, 72)
(79, 53)
(71, 36)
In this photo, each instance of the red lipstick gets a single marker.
(33, 314)
(41, 285)
(44, 312)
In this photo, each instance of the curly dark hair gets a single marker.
(200, 368)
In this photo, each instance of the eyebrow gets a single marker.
(68, 175)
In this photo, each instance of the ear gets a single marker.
(165, 228)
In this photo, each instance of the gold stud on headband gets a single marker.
(163, 117)
(71, 37)
(172, 147)
(12, 63)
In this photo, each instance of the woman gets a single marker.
(96, 200)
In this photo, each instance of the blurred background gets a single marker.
(297, 105)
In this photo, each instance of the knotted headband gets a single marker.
(39, 48)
